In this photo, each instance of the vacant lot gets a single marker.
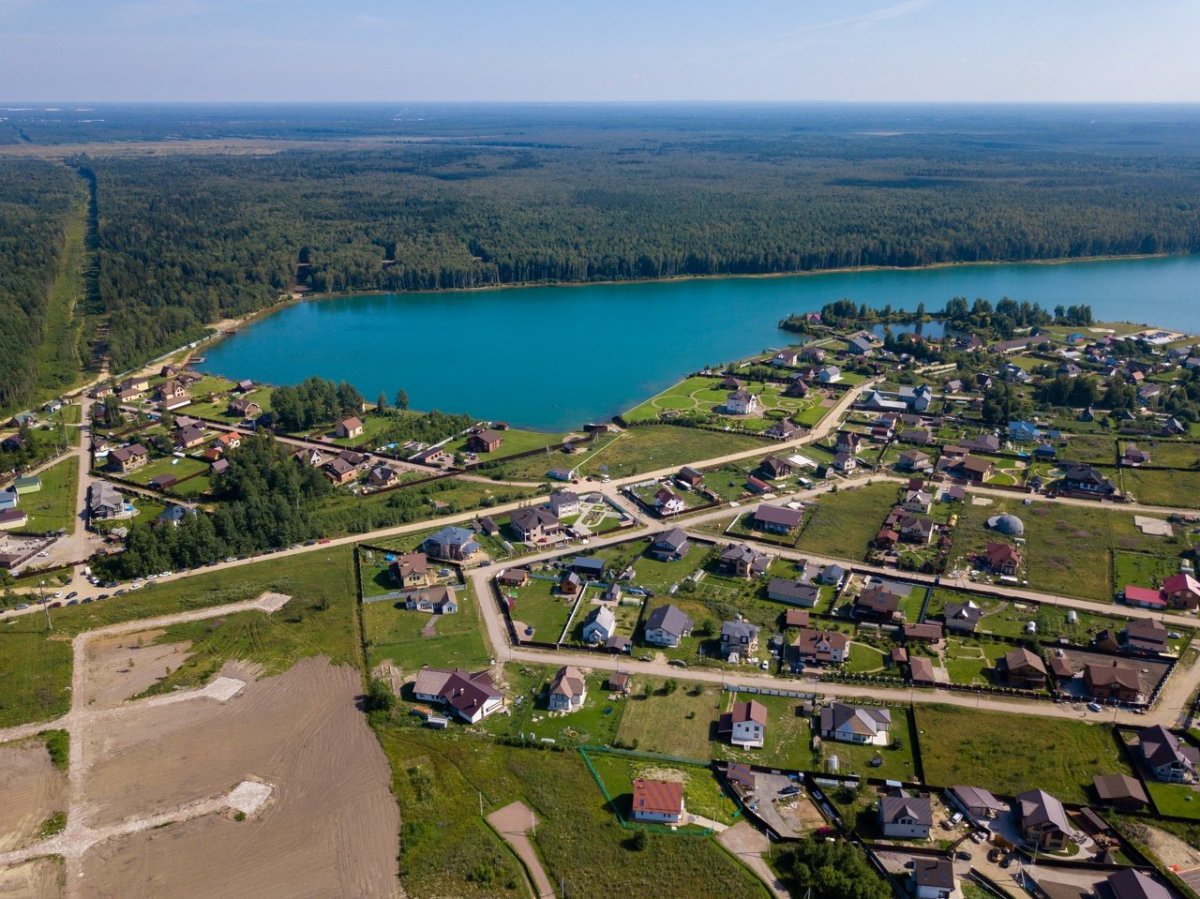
(41, 878)
(677, 720)
(984, 749)
(447, 850)
(330, 827)
(845, 522)
(32, 788)
(412, 639)
(1163, 488)
(53, 507)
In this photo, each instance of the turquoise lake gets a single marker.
(556, 357)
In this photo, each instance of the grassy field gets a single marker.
(897, 759)
(395, 634)
(681, 721)
(515, 441)
(845, 522)
(984, 749)
(1142, 569)
(35, 666)
(53, 507)
(439, 780)
(1173, 454)
(1095, 449)
(1066, 550)
(1162, 488)
(703, 794)
(595, 724)
(539, 606)
(973, 661)
(171, 466)
(1176, 800)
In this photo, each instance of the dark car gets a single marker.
(789, 790)
(72, 594)
(101, 596)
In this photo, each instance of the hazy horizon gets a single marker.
(930, 51)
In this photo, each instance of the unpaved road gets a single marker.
(513, 823)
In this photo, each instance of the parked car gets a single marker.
(1095, 707)
(789, 790)
(72, 594)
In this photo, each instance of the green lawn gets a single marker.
(1173, 453)
(973, 661)
(515, 441)
(845, 522)
(1095, 449)
(53, 507)
(1176, 800)
(172, 466)
(856, 759)
(539, 606)
(595, 724)
(35, 666)
(447, 850)
(1142, 569)
(986, 749)
(680, 722)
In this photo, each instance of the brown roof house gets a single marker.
(877, 604)
(1022, 668)
(533, 524)
(348, 428)
(1003, 559)
(128, 458)
(1043, 821)
(741, 560)
(745, 725)
(484, 440)
(472, 697)
(1171, 760)
(410, 570)
(1113, 681)
(1121, 792)
(777, 519)
(818, 647)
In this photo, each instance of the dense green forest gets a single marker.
(469, 198)
(36, 199)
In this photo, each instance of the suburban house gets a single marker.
(961, 618)
(1143, 597)
(434, 455)
(599, 625)
(659, 801)
(410, 570)
(745, 725)
(795, 618)
(534, 524)
(1121, 792)
(13, 518)
(905, 817)
(671, 546)
(128, 458)
(172, 395)
(191, 436)
(104, 501)
(563, 503)
(914, 460)
(1113, 681)
(796, 593)
(818, 647)
(339, 471)
(974, 469)
(1002, 558)
(666, 626)
(310, 456)
(1131, 883)
(1181, 591)
(453, 543)
(1022, 668)
(847, 442)
(796, 389)
(1135, 456)
(472, 697)
(785, 429)
(856, 724)
(773, 468)
(859, 346)
(569, 584)
(918, 500)
(619, 682)
(777, 519)
(924, 632)
(668, 502)
(831, 575)
(788, 358)
(437, 600)
(844, 462)
(916, 530)
(244, 408)
(567, 690)
(588, 566)
(229, 440)
(381, 476)
(976, 803)
(1141, 636)
(1042, 821)
(1081, 478)
(691, 477)
(744, 561)
(741, 402)
(513, 577)
(917, 398)
(484, 440)
(933, 878)
(1171, 760)
(877, 604)
(738, 638)
(27, 484)
(348, 428)
(830, 374)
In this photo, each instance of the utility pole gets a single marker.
(45, 608)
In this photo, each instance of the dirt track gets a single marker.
(513, 823)
(329, 828)
(122, 666)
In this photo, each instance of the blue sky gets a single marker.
(781, 50)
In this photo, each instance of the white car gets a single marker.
(1095, 707)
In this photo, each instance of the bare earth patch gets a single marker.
(124, 665)
(1171, 851)
(31, 790)
(513, 823)
(41, 878)
(327, 827)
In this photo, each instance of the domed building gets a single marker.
(1009, 525)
